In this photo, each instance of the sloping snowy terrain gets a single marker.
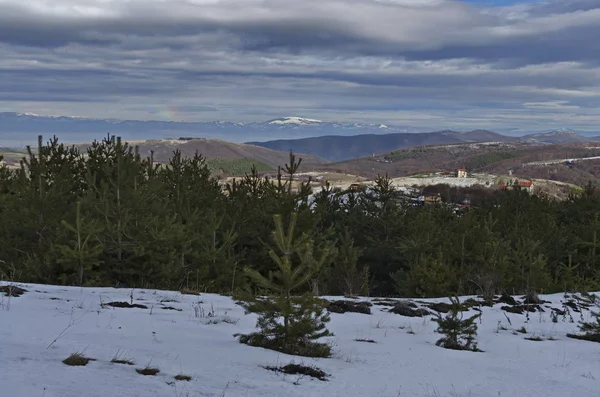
(47, 323)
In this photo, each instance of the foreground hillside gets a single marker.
(193, 335)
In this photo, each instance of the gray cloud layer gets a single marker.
(424, 62)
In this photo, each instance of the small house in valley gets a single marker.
(526, 186)
(461, 172)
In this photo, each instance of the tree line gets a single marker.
(109, 216)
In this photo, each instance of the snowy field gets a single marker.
(193, 335)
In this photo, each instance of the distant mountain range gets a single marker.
(19, 129)
(333, 141)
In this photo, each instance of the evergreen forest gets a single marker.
(112, 217)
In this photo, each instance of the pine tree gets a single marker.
(352, 278)
(459, 333)
(289, 323)
(84, 251)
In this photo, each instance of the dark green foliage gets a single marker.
(109, 216)
(348, 278)
(459, 333)
(490, 158)
(402, 154)
(590, 329)
(290, 323)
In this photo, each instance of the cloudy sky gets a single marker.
(528, 65)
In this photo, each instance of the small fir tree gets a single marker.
(289, 323)
(590, 329)
(352, 279)
(83, 252)
(459, 333)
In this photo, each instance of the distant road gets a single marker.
(550, 162)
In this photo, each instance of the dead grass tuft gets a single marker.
(12, 290)
(122, 361)
(148, 371)
(186, 378)
(297, 369)
(77, 360)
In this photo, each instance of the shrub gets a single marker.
(289, 324)
(590, 329)
(459, 333)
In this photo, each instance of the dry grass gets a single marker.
(182, 377)
(12, 290)
(296, 369)
(148, 371)
(189, 291)
(122, 361)
(77, 360)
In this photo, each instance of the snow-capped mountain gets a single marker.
(295, 121)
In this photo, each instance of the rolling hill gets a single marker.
(485, 157)
(214, 148)
(557, 137)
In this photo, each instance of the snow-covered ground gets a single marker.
(46, 324)
(479, 179)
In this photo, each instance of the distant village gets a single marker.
(425, 194)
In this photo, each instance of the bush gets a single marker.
(459, 333)
(289, 324)
(591, 330)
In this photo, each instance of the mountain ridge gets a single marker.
(341, 148)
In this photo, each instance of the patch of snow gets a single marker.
(450, 180)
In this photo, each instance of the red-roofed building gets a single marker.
(524, 185)
(461, 172)
(527, 186)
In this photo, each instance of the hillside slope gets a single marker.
(494, 158)
(193, 335)
(214, 148)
